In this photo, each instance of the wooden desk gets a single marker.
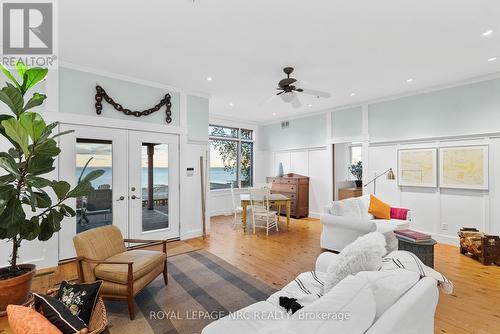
(274, 199)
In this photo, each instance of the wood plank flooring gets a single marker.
(473, 308)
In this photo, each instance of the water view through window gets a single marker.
(95, 209)
(154, 186)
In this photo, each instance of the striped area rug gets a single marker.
(202, 287)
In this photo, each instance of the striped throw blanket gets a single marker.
(409, 261)
(306, 288)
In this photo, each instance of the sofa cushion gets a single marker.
(347, 308)
(389, 286)
(144, 262)
(389, 225)
(379, 208)
(365, 253)
(248, 320)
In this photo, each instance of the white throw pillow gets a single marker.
(351, 208)
(389, 286)
(338, 208)
(364, 254)
(347, 308)
(364, 204)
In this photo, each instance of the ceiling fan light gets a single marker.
(287, 97)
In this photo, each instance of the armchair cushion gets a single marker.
(144, 261)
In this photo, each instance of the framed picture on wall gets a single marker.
(417, 167)
(464, 167)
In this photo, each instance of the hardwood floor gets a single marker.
(473, 308)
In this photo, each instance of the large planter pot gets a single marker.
(359, 183)
(16, 290)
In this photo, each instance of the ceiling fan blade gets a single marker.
(296, 102)
(316, 93)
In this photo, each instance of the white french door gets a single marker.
(138, 192)
(153, 185)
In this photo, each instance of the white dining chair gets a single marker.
(262, 215)
(237, 209)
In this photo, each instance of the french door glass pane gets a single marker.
(154, 186)
(223, 162)
(95, 209)
(246, 164)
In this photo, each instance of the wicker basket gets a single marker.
(98, 319)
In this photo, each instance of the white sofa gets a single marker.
(410, 313)
(344, 221)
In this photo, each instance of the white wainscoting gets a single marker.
(439, 211)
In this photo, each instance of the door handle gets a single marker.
(121, 198)
(134, 197)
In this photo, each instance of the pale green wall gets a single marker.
(347, 122)
(197, 118)
(77, 95)
(302, 133)
(468, 109)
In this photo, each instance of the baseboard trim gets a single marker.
(446, 239)
(314, 215)
(192, 234)
(221, 213)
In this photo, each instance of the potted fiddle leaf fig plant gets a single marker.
(31, 206)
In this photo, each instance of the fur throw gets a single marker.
(364, 254)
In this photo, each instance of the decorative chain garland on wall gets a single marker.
(101, 94)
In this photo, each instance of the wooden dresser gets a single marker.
(350, 192)
(295, 187)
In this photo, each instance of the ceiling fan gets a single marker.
(288, 89)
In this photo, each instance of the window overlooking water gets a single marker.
(94, 209)
(231, 157)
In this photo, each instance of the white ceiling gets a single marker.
(368, 47)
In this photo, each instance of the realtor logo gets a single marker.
(27, 28)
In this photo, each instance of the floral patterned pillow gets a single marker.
(80, 299)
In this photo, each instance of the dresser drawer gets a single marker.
(284, 188)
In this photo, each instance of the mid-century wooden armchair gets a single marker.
(102, 255)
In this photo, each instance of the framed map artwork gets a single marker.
(417, 167)
(464, 167)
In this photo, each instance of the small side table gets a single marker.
(423, 250)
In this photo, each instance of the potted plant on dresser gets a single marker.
(357, 171)
(27, 209)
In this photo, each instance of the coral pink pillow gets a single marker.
(399, 213)
(24, 320)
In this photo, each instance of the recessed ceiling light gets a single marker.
(209, 78)
(410, 80)
(353, 94)
(231, 104)
(274, 114)
(309, 105)
(487, 32)
(492, 59)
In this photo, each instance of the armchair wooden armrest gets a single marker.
(147, 243)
